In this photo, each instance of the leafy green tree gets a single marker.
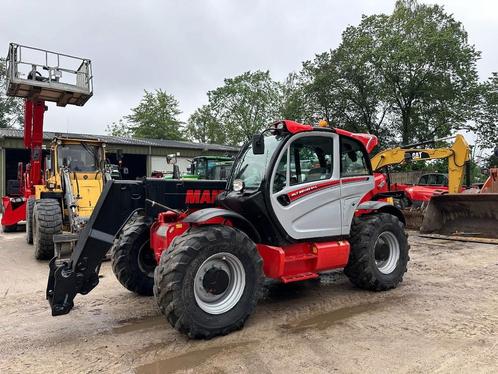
(156, 117)
(428, 69)
(406, 77)
(120, 128)
(486, 125)
(11, 108)
(245, 104)
(295, 104)
(203, 127)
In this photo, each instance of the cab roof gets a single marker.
(369, 141)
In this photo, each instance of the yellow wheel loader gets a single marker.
(73, 181)
(416, 198)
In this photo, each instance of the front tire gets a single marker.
(30, 205)
(133, 260)
(209, 281)
(47, 222)
(379, 252)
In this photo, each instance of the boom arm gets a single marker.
(457, 155)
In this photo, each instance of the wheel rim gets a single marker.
(146, 260)
(219, 283)
(387, 252)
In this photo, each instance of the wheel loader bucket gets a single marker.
(474, 215)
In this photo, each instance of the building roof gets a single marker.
(49, 135)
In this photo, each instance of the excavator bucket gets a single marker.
(462, 215)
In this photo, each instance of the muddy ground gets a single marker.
(442, 319)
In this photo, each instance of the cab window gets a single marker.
(310, 160)
(78, 157)
(353, 158)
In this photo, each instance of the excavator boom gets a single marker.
(458, 154)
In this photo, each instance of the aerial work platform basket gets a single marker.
(44, 75)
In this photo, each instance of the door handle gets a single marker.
(284, 200)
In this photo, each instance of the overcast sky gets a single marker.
(189, 47)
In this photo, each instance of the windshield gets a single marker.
(79, 157)
(250, 168)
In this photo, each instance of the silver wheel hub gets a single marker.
(387, 252)
(146, 260)
(219, 283)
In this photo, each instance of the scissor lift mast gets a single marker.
(39, 75)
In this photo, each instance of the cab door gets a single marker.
(305, 190)
(356, 178)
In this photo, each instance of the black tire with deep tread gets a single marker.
(361, 268)
(174, 277)
(125, 257)
(47, 221)
(30, 205)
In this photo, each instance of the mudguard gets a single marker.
(381, 206)
(204, 215)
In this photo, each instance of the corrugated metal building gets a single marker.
(140, 156)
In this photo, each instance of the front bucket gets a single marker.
(473, 215)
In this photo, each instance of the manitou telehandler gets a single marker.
(294, 206)
(59, 192)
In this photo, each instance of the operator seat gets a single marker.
(316, 174)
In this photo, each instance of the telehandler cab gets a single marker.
(292, 208)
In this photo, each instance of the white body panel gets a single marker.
(320, 208)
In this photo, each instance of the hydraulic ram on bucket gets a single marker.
(462, 214)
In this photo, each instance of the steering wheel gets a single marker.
(279, 181)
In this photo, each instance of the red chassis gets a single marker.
(14, 205)
(290, 263)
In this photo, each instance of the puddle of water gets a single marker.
(188, 360)
(140, 324)
(324, 320)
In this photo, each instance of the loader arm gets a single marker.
(79, 274)
(117, 202)
(458, 154)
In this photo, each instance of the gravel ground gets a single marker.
(443, 319)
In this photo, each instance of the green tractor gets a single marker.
(201, 167)
(209, 167)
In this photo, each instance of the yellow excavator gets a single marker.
(414, 199)
(453, 211)
(457, 155)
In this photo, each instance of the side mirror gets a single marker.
(258, 144)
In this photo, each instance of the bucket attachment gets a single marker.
(464, 215)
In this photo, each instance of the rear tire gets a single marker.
(133, 260)
(47, 222)
(209, 281)
(30, 205)
(379, 252)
